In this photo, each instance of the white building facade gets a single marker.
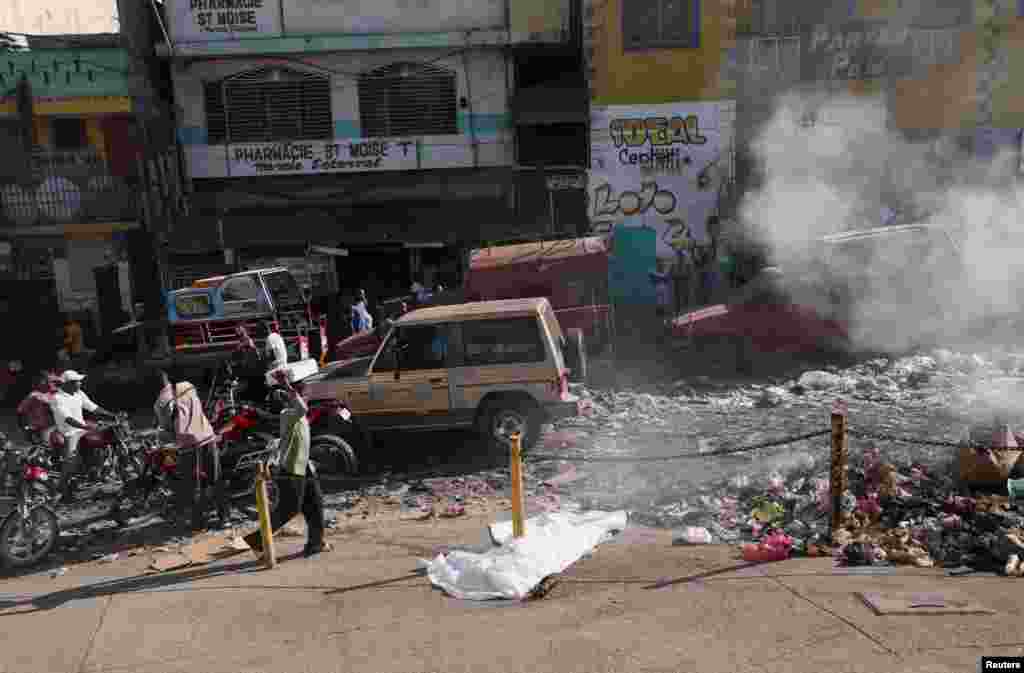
(354, 124)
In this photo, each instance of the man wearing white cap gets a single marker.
(69, 404)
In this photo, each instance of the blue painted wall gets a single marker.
(633, 260)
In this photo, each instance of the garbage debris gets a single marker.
(168, 562)
(516, 566)
(108, 558)
(774, 547)
(58, 572)
(692, 535)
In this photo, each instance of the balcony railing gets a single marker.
(69, 187)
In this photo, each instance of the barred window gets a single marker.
(650, 24)
(268, 104)
(408, 99)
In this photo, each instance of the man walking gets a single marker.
(297, 484)
(69, 404)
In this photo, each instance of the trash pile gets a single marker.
(909, 514)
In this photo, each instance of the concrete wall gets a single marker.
(391, 16)
(483, 85)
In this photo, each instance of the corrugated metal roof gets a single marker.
(477, 309)
(485, 258)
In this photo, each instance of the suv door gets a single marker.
(408, 384)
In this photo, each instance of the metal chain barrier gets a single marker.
(861, 434)
(542, 458)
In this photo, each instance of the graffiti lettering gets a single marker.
(659, 131)
(631, 203)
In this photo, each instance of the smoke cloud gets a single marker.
(833, 164)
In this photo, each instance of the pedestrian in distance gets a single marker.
(298, 486)
(362, 321)
(275, 349)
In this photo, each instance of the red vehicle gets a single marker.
(361, 345)
(769, 314)
(572, 274)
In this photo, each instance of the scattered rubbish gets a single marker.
(567, 476)
(774, 547)
(692, 535)
(236, 544)
(453, 511)
(921, 604)
(167, 562)
(292, 529)
(58, 572)
(108, 558)
(552, 543)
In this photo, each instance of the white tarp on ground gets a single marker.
(552, 543)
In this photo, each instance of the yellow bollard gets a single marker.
(518, 526)
(263, 507)
(837, 474)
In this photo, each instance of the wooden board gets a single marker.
(922, 604)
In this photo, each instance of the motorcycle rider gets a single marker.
(35, 412)
(69, 403)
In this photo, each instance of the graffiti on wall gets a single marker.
(655, 140)
(633, 202)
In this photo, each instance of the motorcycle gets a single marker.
(330, 423)
(110, 451)
(31, 530)
(215, 485)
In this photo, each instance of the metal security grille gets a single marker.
(269, 104)
(408, 99)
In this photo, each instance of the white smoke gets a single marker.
(833, 164)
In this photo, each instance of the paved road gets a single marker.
(638, 604)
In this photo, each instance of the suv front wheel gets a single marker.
(502, 418)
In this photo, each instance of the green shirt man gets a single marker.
(294, 436)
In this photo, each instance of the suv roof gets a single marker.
(478, 309)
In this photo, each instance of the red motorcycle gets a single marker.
(31, 530)
(329, 421)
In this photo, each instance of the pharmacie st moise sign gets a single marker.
(297, 158)
(204, 20)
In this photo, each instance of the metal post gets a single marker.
(837, 475)
(518, 526)
(263, 507)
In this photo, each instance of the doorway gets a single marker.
(382, 270)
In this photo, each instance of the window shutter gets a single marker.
(213, 103)
(408, 99)
(269, 104)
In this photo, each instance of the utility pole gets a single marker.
(135, 22)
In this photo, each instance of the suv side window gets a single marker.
(419, 347)
(502, 342)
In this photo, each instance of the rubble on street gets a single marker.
(904, 504)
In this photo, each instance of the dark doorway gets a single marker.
(382, 270)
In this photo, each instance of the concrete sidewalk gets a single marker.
(637, 605)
